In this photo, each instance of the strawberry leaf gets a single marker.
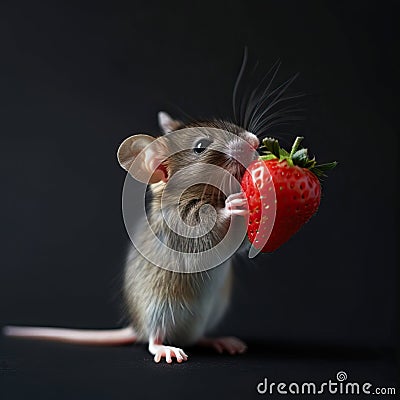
(321, 169)
(296, 145)
(272, 150)
(300, 157)
(268, 156)
(310, 163)
(272, 145)
(283, 154)
(327, 166)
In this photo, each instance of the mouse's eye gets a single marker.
(201, 145)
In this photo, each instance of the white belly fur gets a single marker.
(194, 321)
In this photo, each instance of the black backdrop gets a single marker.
(78, 78)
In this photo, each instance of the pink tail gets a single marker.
(112, 337)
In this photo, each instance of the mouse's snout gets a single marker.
(252, 139)
(236, 149)
(242, 151)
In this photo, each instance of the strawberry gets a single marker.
(295, 179)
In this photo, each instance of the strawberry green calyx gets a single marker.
(272, 150)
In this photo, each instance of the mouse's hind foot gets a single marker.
(160, 351)
(229, 344)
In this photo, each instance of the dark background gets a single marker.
(77, 78)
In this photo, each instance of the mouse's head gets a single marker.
(191, 147)
(191, 170)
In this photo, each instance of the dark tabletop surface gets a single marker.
(51, 370)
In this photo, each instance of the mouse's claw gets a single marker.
(236, 204)
(168, 352)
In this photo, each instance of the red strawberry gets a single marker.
(281, 185)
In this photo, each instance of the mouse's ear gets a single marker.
(167, 124)
(140, 155)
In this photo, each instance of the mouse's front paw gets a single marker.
(169, 353)
(236, 204)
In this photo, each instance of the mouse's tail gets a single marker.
(112, 337)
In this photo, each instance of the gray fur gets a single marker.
(180, 307)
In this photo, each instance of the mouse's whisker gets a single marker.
(247, 98)
(277, 92)
(256, 98)
(280, 89)
(237, 83)
(289, 110)
(280, 121)
(260, 117)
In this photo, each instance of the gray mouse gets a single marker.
(166, 308)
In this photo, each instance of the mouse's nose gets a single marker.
(252, 139)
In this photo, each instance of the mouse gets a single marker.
(175, 301)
